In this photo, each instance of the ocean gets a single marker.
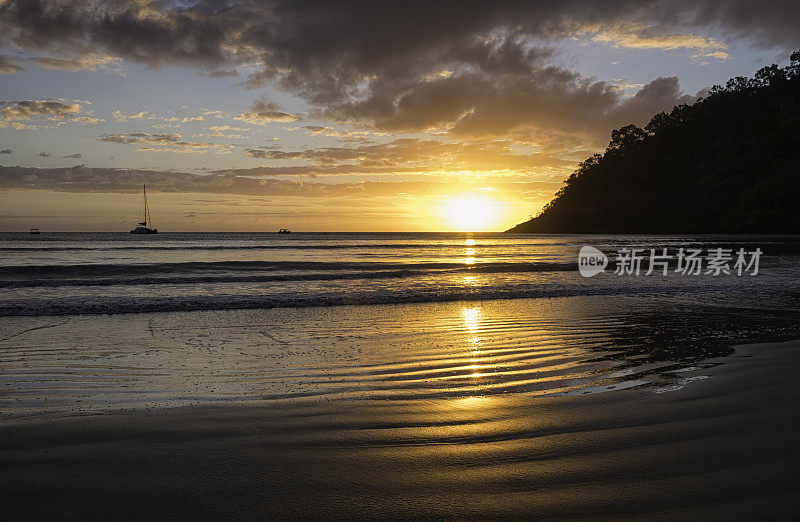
(100, 321)
(109, 273)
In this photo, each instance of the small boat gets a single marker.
(145, 226)
(284, 231)
(34, 231)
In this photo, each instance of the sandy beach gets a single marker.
(723, 446)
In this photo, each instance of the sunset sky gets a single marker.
(353, 116)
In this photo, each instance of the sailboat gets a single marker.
(145, 226)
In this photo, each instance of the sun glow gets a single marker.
(470, 213)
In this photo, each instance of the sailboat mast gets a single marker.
(146, 213)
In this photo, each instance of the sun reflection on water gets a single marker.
(469, 252)
(472, 318)
(480, 402)
(472, 322)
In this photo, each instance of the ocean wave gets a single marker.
(280, 246)
(123, 273)
(182, 280)
(120, 305)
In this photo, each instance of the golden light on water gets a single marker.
(470, 281)
(472, 318)
(472, 322)
(469, 252)
(469, 258)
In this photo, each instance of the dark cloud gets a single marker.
(168, 142)
(266, 112)
(412, 154)
(140, 137)
(274, 154)
(77, 155)
(482, 105)
(660, 94)
(8, 66)
(321, 36)
(348, 135)
(19, 114)
(82, 179)
(90, 62)
(26, 109)
(471, 68)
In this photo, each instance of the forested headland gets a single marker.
(729, 163)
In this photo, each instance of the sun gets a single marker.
(470, 213)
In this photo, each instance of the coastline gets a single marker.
(723, 446)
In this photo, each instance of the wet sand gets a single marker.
(724, 446)
(412, 351)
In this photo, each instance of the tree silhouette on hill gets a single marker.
(729, 163)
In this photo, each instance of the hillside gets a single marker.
(729, 163)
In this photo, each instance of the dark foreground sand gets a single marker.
(725, 447)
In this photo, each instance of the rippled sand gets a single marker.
(536, 347)
(562, 407)
(723, 447)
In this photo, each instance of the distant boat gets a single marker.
(34, 231)
(145, 225)
(284, 231)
